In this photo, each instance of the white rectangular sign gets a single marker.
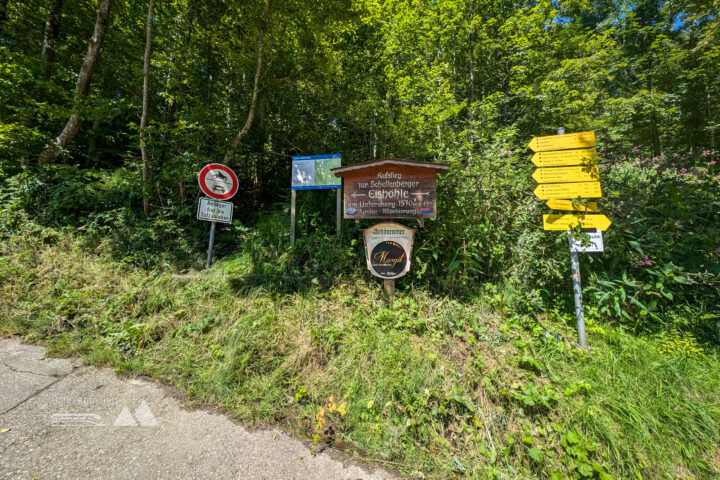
(596, 243)
(214, 210)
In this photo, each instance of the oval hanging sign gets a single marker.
(388, 247)
(218, 181)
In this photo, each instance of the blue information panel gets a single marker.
(312, 172)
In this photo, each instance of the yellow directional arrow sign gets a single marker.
(570, 205)
(553, 191)
(587, 173)
(562, 158)
(563, 142)
(568, 221)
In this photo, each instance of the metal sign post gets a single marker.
(219, 183)
(577, 284)
(293, 196)
(338, 212)
(569, 172)
(210, 245)
(577, 293)
(313, 172)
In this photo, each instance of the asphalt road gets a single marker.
(60, 419)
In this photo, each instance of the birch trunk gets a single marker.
(253, 103)
(143, 117)
(72, 127)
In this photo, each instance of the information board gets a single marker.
(390, 188)
(312, 172)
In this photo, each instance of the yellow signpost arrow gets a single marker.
(586, 173)
(563, 142)
(568, 221)
(563, 158)
(570, 205)
(553, 191)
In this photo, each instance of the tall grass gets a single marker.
(436, 387)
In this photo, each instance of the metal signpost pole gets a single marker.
(577, 285)
(577, 293)
(292, 217)
(339, 211)
(219, 183)
(210, 246)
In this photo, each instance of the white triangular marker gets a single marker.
(144, 416)
(125, 419)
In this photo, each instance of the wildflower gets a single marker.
(677, 155)
(603, 167)
(683, 171)
(627, 229)
(713, 162)
(707, 153)
(656, 166)
(694, 172)
(677, 222)
(662, 156)
(636, 149)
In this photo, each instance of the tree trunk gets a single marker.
(72, 127)
(52, 30)
(143, 117)
(251, 113)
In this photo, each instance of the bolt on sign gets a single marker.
(388, 247)
(390, 188)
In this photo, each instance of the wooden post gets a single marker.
(389, 287)
(292, 217)
(339, 212)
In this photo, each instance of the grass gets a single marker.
(433, 386)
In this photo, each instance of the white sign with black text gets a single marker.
(214, 210)
(594, 245)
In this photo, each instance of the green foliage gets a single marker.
(470, 370)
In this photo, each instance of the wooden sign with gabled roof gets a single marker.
(390, 188)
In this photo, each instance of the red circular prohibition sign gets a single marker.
(218, 181)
